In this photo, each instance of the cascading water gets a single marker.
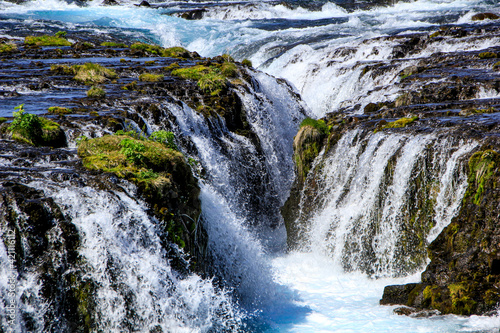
(380, 197)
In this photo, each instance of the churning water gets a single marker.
(322, 52)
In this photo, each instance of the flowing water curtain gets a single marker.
(381, 198)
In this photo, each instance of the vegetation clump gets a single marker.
(482, 166)
(487, 55)
(7, 47)
(59, 110)
(171, 52)
(246, 62)
(147, 77)
(90, 73)
(34, 130)
(47, 40)
(402, 122)
(320, 124)
(96, 92)
(114, 44)
(211, 79)
(171, 67)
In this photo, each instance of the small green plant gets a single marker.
(26, 125)
(132, 150)
(147, 77)
(320, 124)
(96, 92)
(113, 44)
(246, 62)
(7, 47)
(167, 138)
(46, 40)
(150, 62)
(60, 34)
(59, 110)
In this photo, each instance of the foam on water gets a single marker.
(342, 302)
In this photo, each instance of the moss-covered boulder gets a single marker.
(463, 276)
(306, 145)
(34, 130)
(162, 175)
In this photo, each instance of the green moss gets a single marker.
(402, 122)
(46, 40)
(194, 72)
(482, 166)
(320, 124)
(147, 77)
(7, 47)
(496, 65)
(96, 92)
(113, 44)
(59, 110)
(461, 303)
(149, 48)
(487, 55)
(90, 73)
(229, 69)
(62, 69)
(171, 52)
(171, 67)
(246, 62)
(3, 120)
(209, 79)
(130, 86)
(175, 52)
(150, 62)
(149, 163)
(435, 34)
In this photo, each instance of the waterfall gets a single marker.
(380, 199)
(246, 181)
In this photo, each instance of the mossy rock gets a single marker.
(483, 165)
(7, 47)
(485, 16)
(37, 131)
(162, 175)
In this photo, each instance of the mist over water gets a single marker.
(322, 53)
